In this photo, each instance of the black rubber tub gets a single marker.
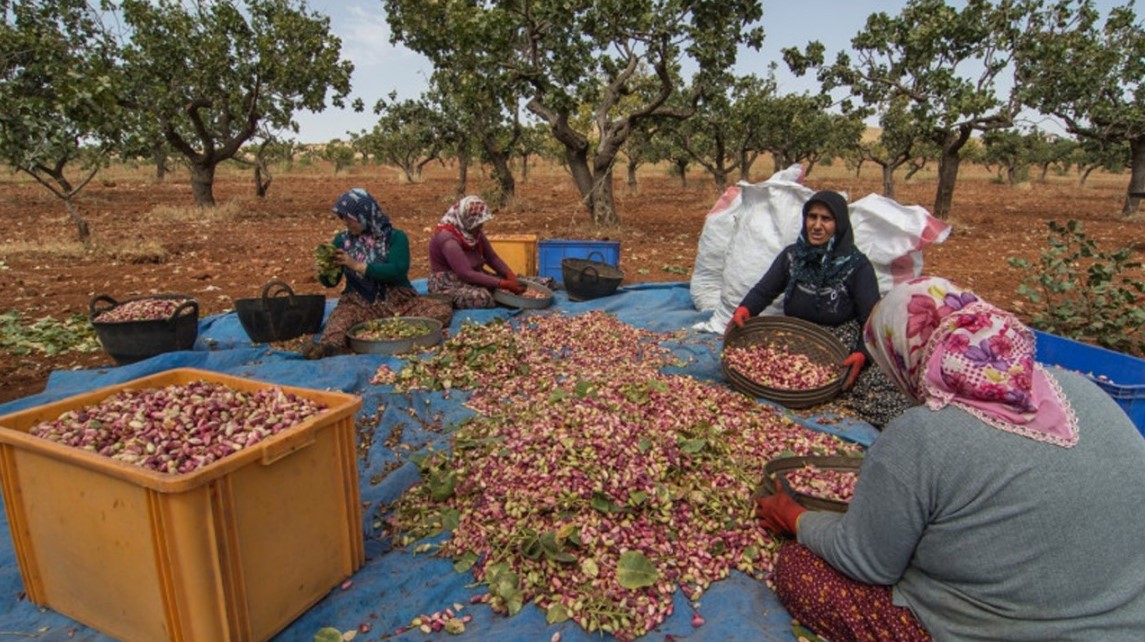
(131, 341)
(587, 279)
(280, 314)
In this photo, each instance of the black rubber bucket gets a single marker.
(587, 279)
(280, 314)
(131, 341)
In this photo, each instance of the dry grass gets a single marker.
(222, 213)
(134, 251)
(53, 249)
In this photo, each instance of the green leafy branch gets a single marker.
(1083, 292)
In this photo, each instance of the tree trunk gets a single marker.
(948, 162)
(202, 183)
(633, 189)
(1084, 174)
(888, 180)
(462, 173)
(503, 174)
(577, 160)
(261, 184)
(603, 205)
(159, 157)
(721, 178)
(82, 228)
(524, 168)
(1136, 176)
(745, 166)
(682, 168)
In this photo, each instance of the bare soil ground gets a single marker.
(148, 238)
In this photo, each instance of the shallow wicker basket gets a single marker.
(587, 279)
(779, 467)
(793, 335)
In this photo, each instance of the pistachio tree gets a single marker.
(725, 135)
(58, 114)
(1092, 76)
(210, 73)
(798, 128)
(1091, 154)
(949, 62)
(405, 136)
(900, 141)
(564, 55)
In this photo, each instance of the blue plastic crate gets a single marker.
(1120, 375)
(550, 253)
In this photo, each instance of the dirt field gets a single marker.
(147, 237)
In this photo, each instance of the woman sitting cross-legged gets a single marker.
(373, 258)
(1005, 505)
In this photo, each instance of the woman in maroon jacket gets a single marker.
(462, 262)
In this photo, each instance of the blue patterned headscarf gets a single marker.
(373, 244)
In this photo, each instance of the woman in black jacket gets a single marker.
(826, 280)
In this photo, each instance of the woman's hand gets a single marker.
(345, 260)
(779, 512)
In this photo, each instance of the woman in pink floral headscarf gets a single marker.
(1007, 505)
(462, 262)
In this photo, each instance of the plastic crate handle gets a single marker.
(287, 445)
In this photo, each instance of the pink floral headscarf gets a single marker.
(463, 217)
(943, 345)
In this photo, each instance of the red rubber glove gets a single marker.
(514, 286)
(780, 513)
(509, 276)
(855, 361)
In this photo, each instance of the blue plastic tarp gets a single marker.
(396, 585)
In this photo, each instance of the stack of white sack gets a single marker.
(751, 223)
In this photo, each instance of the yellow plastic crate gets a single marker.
(519, 251)
(235, 550)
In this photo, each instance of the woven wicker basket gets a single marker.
(793, 335)
(779, 467)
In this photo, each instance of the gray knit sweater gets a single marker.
(987, 535)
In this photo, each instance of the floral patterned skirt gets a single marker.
(353, 309)
(836, 607)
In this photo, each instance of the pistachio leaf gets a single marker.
(634, 570)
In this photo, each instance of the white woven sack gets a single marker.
(719, 228)
(767, 220)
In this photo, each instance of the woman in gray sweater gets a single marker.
(1008, 505)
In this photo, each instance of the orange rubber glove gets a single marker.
(514, 286)
(780, 513)
(855, 361)
(738, 317)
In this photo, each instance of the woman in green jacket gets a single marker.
(374, 258)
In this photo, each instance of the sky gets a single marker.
(381, 68)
